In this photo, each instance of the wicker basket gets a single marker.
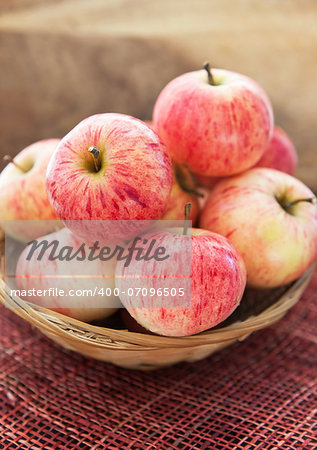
(145, 352)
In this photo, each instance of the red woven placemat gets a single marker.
(258, 394)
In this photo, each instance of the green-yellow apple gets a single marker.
(109, 167)
(271, 218)
(77, 286)
(23, 194)
(198, 286)
(217, 122)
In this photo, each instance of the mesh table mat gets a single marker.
(258, 394)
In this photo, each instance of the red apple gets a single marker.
(217, 123)
(109, 167)
(209, 269)
(280, 153)
(77, 279)
(263, 212)
(23, 194)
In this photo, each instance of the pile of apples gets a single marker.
(212, 143)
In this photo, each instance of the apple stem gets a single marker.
(185, 179)
(312, 200)
(211, 80)
(195, 192)
(11, 160)
(186, 214)
(95, 152)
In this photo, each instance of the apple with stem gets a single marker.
(74, 287)
(110, 167)
(217, 122)
(23, 195)
(271, 218)
(204, 267)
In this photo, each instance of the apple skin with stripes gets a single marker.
(205, 271)
(70, 286)
(216, 129)
(280, 154)
(129, 180)
(182, 192)
(255, 211)
(25, 211)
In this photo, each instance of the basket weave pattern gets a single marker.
(259, 394)
(145, 352)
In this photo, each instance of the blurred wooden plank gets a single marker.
(49, 82)
(64, 59)
(14, 5)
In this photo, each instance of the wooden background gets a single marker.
(62, 60)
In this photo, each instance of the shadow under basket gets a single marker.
(257, 310)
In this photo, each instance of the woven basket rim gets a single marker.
(58, 324)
